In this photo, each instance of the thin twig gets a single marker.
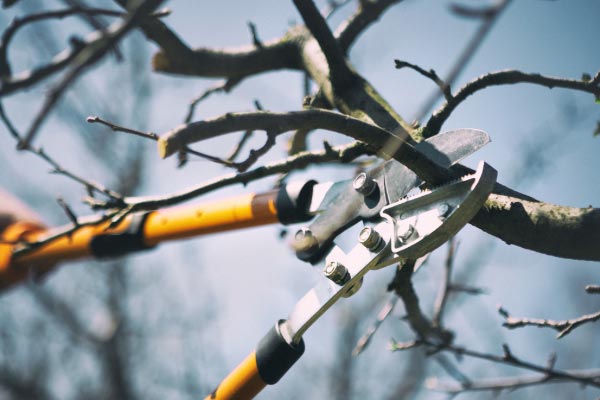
(98, 44)
(224, 86)
(563, 327)
(506, 383)
(153, 136)
(365, 339)
(595, 289)
(507, 77)
(467, 54)
(115, 198)
(431, 74)
(507, 358)
(254, 32)
(441, 300)
(340, 154)
(68, 211)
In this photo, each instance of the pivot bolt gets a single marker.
(370, 238)
(363, 184)
(336, 272)
(305, 240)
(405, 232)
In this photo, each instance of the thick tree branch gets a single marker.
(277, 123)
(507, 77)
(175, 57)
(561, 231)
(419, 323)
(338, 70)
(511, 216)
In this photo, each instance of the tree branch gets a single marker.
(277, 123)
(507, 77)
(507, 358)
(97, 45)
(340, 154)
(507, 383)
(368, 12)
(419, 323)
(563, 327)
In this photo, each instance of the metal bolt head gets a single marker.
(336, 272)
(363, 184)
(369, 238)
(304, 240)
(405, 231)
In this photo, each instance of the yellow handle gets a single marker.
(242, 384)
(168, 224)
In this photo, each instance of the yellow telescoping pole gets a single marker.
(157, 226)
(266, 365)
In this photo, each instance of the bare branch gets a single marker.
(419, 323)
(155, 137)
(507, 383)
(595, 289)
(492, 14)
(277, 123)
(507, 77)
(385, 311)
(20, 22)
(563, 327)
(442, 299)
(341, 154)
(225, 87)
(57, 168)
(431, 74)
(339, 72)
(509, 359)
(367, 13)
(97, 45)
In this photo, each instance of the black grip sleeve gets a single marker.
(274, 356)
(118, 244)
(293, 201)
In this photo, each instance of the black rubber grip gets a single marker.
(292, 203)
(275, 356)
(118, 244)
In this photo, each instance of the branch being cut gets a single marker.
(514, 217)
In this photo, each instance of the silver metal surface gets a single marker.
(425, 221)
(444, 149)
(411, 228)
